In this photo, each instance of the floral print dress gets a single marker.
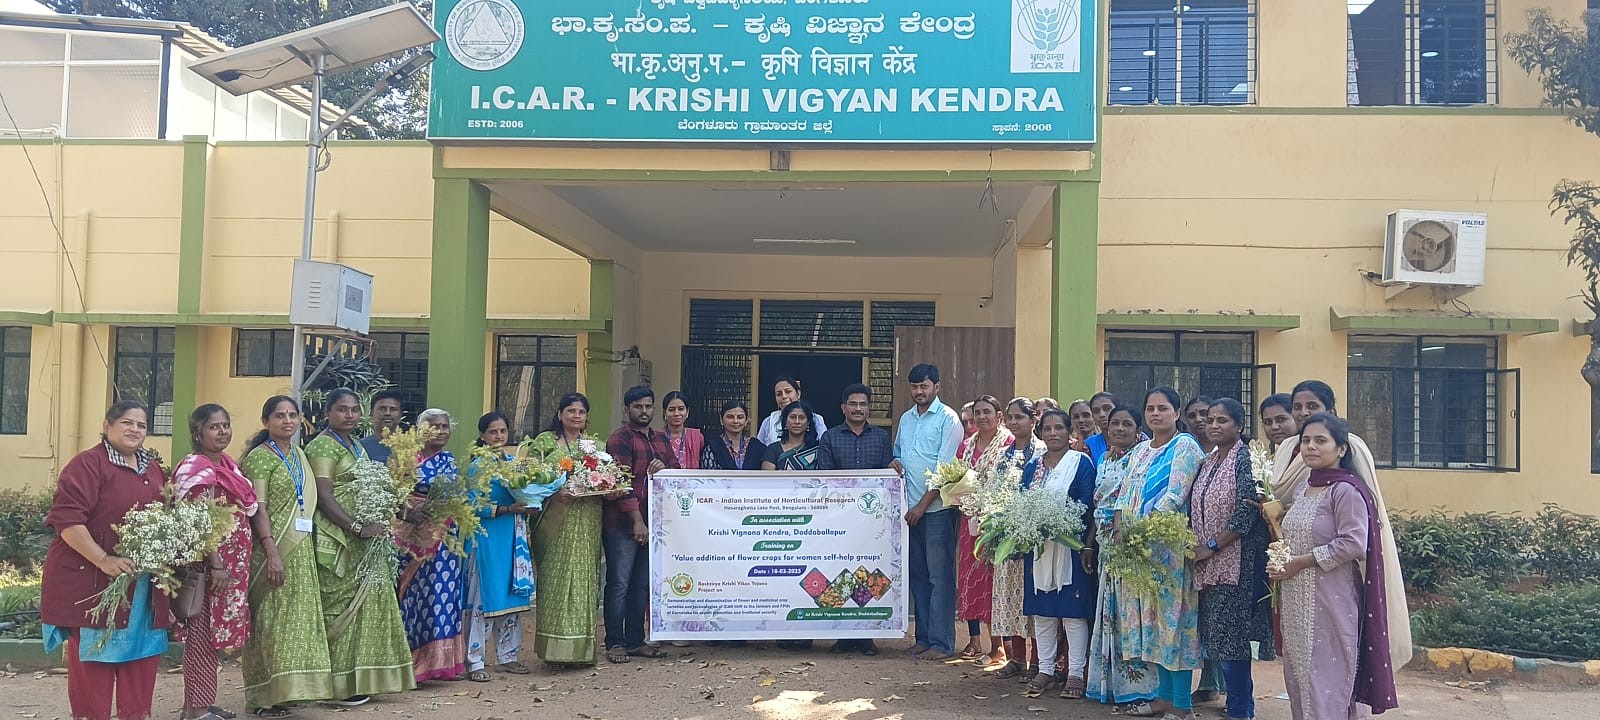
(1162, 629)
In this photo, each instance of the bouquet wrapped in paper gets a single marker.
(161, 537)
(586, 470)
(1031, 518)
(953, 480)
(525, 474)
(1132, 560)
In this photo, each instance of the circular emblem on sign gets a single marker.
(484, 34)
(680, 584)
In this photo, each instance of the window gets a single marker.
(144, 372)
(1421, 52)
(1195, 52)
(87, 84)
(1432, 402)
(531, 373)
(403, 360)
(1218, 364)
(263, 353)
(16, 345)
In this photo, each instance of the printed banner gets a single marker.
(878, 71)
(777, 555)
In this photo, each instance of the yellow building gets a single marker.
(1224, 231)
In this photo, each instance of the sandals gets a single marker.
(647, 651)
(934, 655)
(1073, 688)
(617, 655)
(221, 713)
(478, 676)
(1138, 709)
(1039, 685)
(1011, 669)
(971, 652)
(276, 711)
(515, 667)
(989, 659)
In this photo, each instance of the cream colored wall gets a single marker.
(1194, 218)
(119, 208)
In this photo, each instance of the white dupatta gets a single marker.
(1052, 565)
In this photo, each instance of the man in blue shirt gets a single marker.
(930, 433)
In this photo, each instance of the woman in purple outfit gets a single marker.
(1336, 659)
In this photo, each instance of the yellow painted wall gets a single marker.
(1195, 217)
(119, 209)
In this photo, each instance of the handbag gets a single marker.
(191, 598)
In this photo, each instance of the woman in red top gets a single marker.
(94, 492)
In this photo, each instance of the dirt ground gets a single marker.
(762, 682)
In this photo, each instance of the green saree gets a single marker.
(566, 551)
(366, 636)
(286, 657)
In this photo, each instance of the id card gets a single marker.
(302, 524)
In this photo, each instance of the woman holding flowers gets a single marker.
(223, 623)
(107, 656)
(1230, 564)
(1337, 662)
(1291, 476)
(1131, 684)
(499, 566)
(430, 574)
(1161, 627)
(982, 451)
(1006, 617)
(733, 448)
(287, 661)
(1059, 584)
(566, 548)
(366, 636)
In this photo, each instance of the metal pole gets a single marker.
(297, 369)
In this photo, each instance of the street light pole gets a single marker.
(315, 140)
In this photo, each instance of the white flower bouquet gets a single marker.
(159, 538)
(378, 497)
(954, 480)
(1029, 519)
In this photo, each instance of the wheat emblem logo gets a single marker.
(1047, 23)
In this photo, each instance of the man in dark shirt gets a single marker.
(856, 445)
(388, 407)
(627, 591)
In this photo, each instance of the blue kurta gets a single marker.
(1076, 600)
(501, 558)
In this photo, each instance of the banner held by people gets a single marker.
(777, 555)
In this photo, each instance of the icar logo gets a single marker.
(1045, 35)
(484, 34)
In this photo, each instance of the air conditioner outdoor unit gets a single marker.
(329, 295)
(1427, 247)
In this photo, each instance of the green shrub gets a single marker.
(19, 604)
(1560, 622)
(1436, 549)
(23, 535)
(1567, 546)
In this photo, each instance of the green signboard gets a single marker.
(1005, 72)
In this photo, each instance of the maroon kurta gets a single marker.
(96, 493)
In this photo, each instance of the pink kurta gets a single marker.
(975, 577)
(1322, 605)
